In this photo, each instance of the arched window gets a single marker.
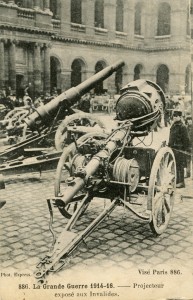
(119, 15)
(99, 89)
(76, 11)
(53, 8)
(99, 13)
(138, 9)
(162, 77)
(55, 74)
(76, 74)
(137, 71)
(164, 19)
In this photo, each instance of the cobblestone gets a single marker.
(124, 243)
(4, 250)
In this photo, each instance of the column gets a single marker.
(2, 63)
(12, 65)
(110, 17)
(47, 68)
(37, 68)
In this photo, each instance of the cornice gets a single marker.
(60, 38)
(26, 29)
(115, 45)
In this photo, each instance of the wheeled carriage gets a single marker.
(108, 166)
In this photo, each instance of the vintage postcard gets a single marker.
(96, 184)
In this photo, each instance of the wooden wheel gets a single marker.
(10, 114)
(80, 118)
(63, 172)
(161, 191)
(27, 133)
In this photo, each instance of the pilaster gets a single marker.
(65, 79)
(128, 20)
(88, 7)
(65, 15)
(47, 68)
(110, 17)
(150, 16)
(37, 4)
(47, 6)
(179, 24)
(37, 68)
(2, 63)
(12, 65)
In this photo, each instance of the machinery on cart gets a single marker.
(108, 166)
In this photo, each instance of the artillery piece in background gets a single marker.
(52, 120)
(110, 167)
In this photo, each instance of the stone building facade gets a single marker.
(60, 43)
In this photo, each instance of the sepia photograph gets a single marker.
(96, 145)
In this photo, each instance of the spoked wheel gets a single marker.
(79, 119)
(64, 171)
(27, 132)
(9, 115)
(62, 174)
(161, 191)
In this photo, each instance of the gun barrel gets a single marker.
(71, 96)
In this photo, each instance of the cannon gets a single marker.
(50, 122)
(105, 165)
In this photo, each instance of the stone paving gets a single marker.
(123, 240)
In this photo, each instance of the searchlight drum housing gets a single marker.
(142, 102)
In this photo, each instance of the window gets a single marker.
(164, 19)
(53, 8)
(99, 89)
(138, 19)
(99, 13)
(76, 13)
(76, 74)
(119, 15)
(162, 78)
(137, 71)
